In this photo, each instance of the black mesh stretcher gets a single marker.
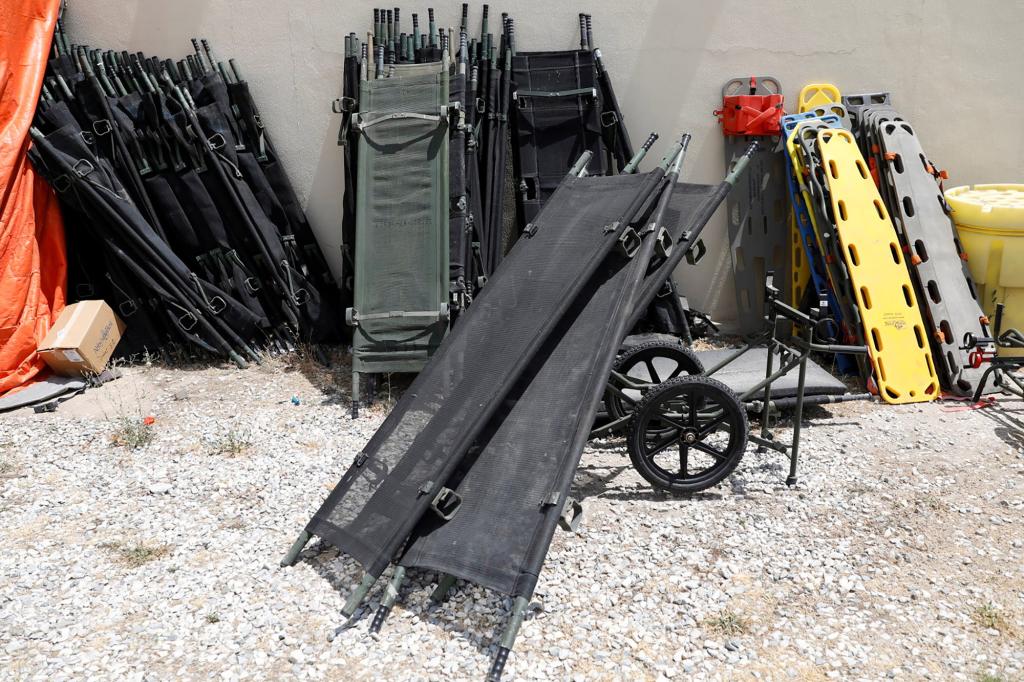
(559, 110)
(509, 484)
(393, 482)
(512, 486)
(515, 490)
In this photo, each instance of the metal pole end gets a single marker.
(357, 596)
(292, 556)
(498, 665)
(378, 619)
(444, 585)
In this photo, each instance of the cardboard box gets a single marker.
(82, 340)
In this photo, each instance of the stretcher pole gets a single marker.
(670, 167)
(794, 452)
(444, 585)
(508, 638)
(634, 163)
(580, 166)
(358, 595)
(293, 553)
(389, 599)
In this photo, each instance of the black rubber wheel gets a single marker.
(688, 434)
(645, 364)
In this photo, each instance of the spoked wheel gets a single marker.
(688, 434)
(643, 367)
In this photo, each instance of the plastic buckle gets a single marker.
(251, 284)
(663, 244)
(128, 308)
(530, 230)
(88, 137)
(215, 307)
(446, 503)
(102, 127)
(571, 515)
(192, 321)
(61, 183)
(609, 118)
(83, 167)
(301, 296)
(629, 242)
(696, 252)
(216, 142)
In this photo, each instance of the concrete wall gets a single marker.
(956, 71)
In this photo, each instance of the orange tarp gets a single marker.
(33, 264)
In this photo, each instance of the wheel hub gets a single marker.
(690, 436)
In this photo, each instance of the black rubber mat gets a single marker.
(748, 370)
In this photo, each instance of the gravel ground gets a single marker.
(899, 555)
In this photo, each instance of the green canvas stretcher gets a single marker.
(400, 312)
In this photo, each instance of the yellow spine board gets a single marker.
(793, 149)
(801, 268)
(811, 96)
(893, 327)
(816, 95)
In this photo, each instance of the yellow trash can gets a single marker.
(990, 219)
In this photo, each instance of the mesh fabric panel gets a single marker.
(375, 505)
(550, 133)
(517, 476)
(401, 221)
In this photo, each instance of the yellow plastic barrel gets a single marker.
(990, 220)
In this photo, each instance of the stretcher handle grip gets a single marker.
(742, 162)
(361, 124)
(581, 163)
(555, 93)
(353, 317)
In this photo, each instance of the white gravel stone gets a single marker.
(162, 562)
